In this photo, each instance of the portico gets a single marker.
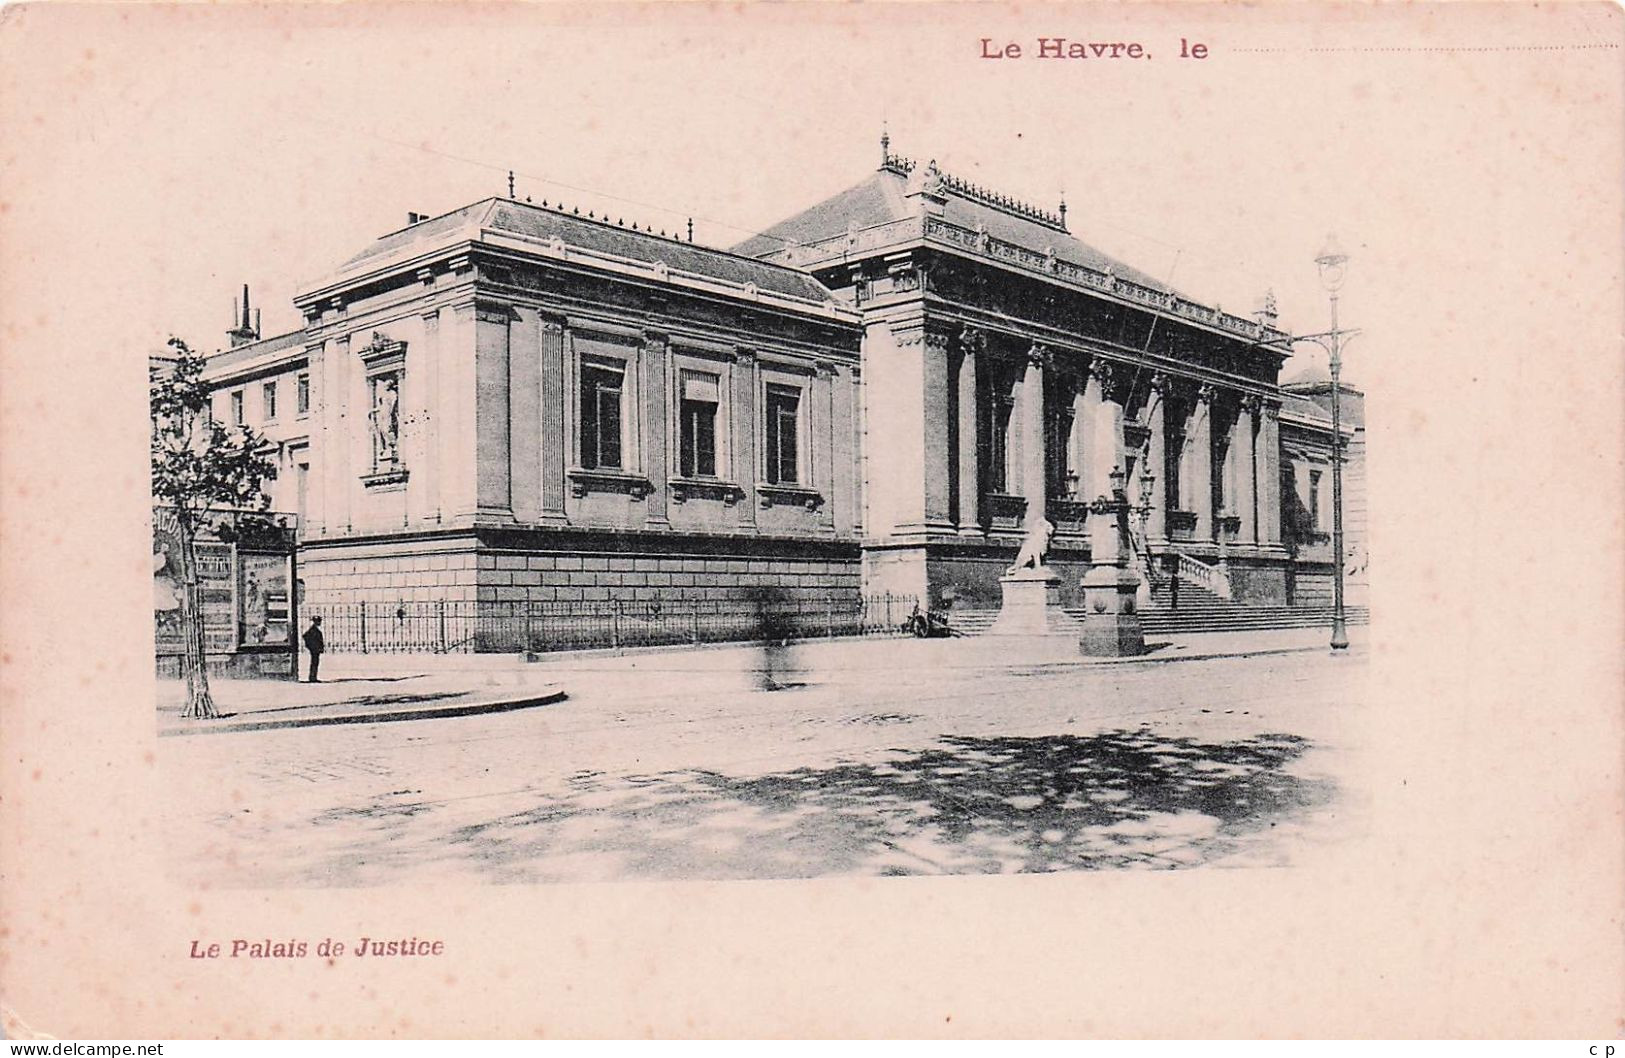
(1011, 371)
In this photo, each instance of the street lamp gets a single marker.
(1148, 492)
(1333, 264)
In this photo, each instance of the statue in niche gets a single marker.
(1035, 547)
(386, 423)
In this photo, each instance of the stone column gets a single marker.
(428, 477)
(1199, 447)
(343, 428)
(525, 416)
(492, 423)
(860, 512)
(1086, 408)
(1111, 621)
(1267, 457)
(654, 413)
(969, 514)
(934, 404)
(746, 382)
(315, 514)
(841, 509)
(1032, 436)
(553, 435)
(1105, 443)
(1156, 461)
(821, 440)
(1245, 497)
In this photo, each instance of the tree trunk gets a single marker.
(194, 663)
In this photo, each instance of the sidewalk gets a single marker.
(830, 658)
(266, 705)
(382, 688)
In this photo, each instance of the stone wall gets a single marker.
(556, 576)
(342, 575)
(560, 568)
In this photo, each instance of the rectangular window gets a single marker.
(1314, 499)
(697, 412)
(268, 400)
(999, 436)
(783, 435)
(302, 395)
(601, 416)
(237, 415)
(1057, 451)
(1171, 489)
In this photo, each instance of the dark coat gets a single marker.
(313, 640)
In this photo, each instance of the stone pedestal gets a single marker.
(1111, 622)
(1031, 624)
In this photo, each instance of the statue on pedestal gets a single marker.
(1035, 547)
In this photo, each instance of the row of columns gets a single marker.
(1249, 469)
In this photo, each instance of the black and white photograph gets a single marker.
(842, 488)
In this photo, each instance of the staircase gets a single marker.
(1199, 610)
(1203, 611)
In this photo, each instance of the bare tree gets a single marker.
(198, 463)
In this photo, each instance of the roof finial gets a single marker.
(885, 142)
(1063, 209)
(691, 229)
(510, 183)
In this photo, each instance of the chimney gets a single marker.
(243, 331)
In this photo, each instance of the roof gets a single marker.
(883, 197)
(226, 359)
(1303, 408)
(1317, 378)
(527, 220)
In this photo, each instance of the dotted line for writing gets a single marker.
(1452, 48)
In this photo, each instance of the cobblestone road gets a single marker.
(678, 773)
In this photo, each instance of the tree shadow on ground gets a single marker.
(963, 805)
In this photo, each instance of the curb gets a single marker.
(437, 712)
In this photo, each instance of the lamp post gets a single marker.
(1333, 264)
(1148, 491)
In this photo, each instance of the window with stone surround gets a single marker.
(602, 418)
(697, 425)
(1001, 410)
(1314, 500)
(783, 434)
(238, 414)
(1060, 475)
(301, 394)
(268, 400)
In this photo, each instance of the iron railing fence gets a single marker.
(503, 626)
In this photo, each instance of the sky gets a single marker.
(267, 145)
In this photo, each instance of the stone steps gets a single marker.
(1217, 616)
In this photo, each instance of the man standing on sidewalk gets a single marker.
(314, 645)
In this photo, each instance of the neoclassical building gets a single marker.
(513, 402)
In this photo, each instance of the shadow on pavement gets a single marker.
(963, 806)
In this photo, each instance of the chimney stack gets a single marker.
(245, 328)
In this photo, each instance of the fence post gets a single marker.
(829, 615)
(363, 628)
(440, 608)
(694, 626)
(888, 612)
(615, 624)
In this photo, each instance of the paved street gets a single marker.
(877, 761)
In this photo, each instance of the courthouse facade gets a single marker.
(884, 393)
